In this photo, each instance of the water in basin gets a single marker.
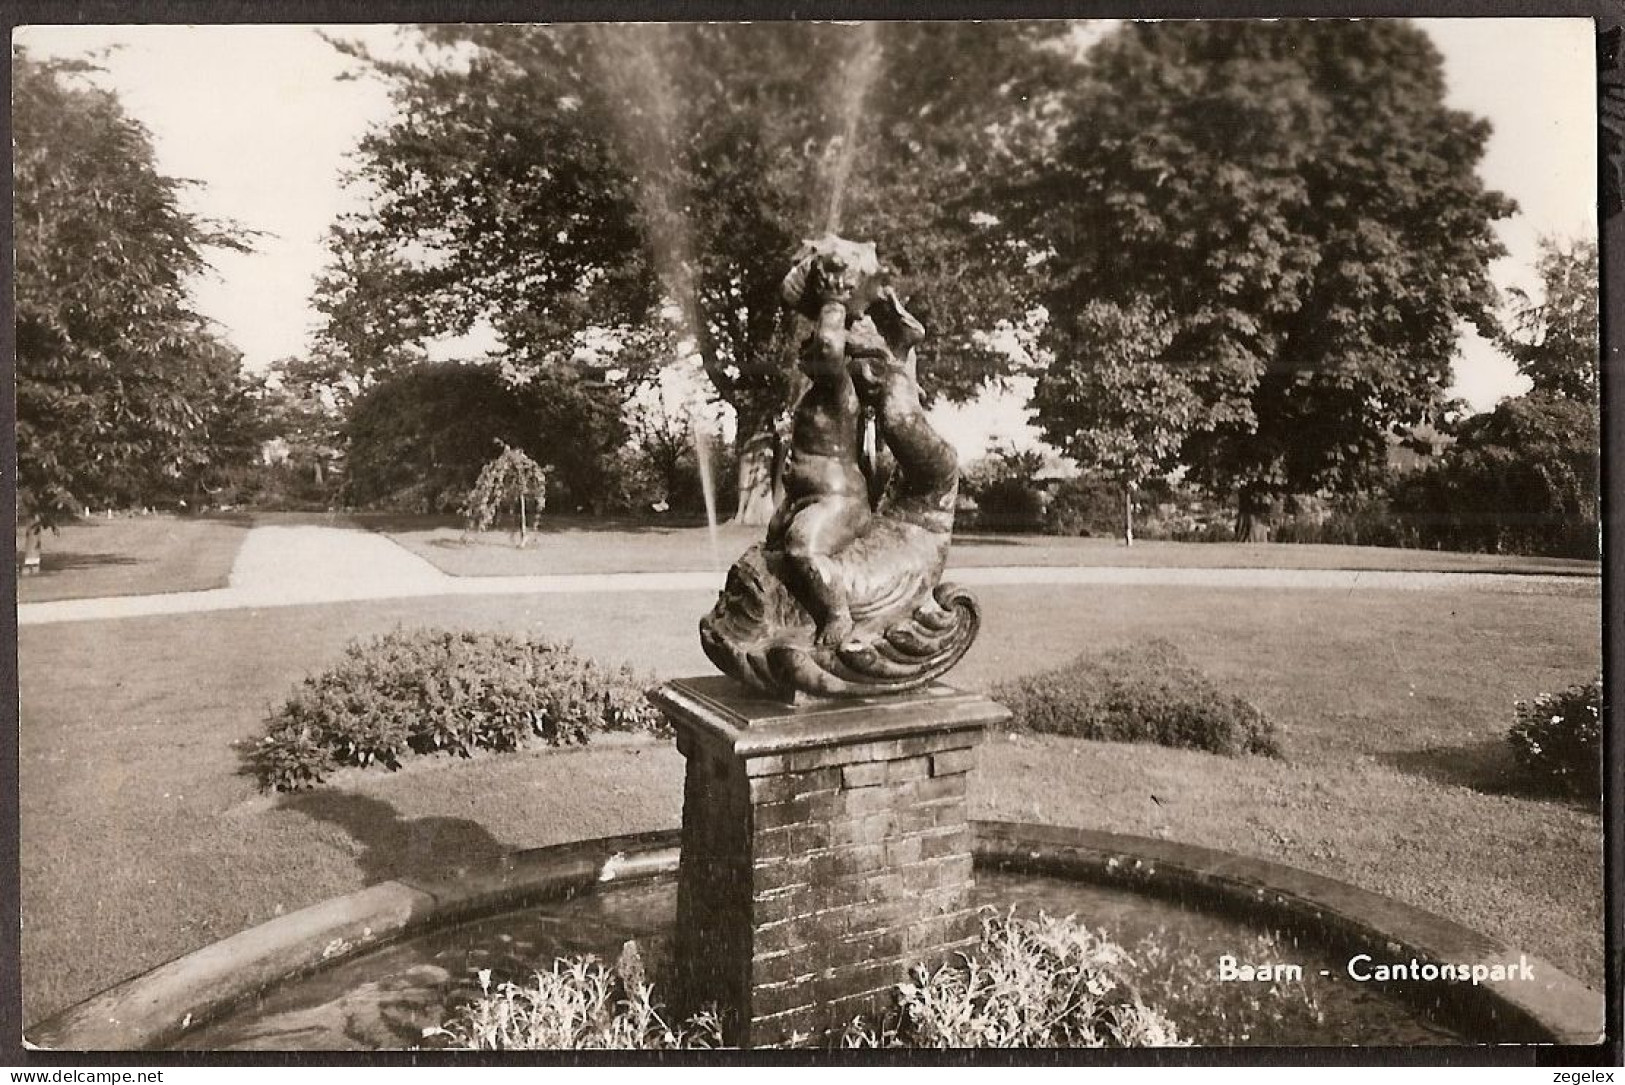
(386, 998)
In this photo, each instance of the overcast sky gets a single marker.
(263, 118)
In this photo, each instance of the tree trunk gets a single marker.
(31, 548)
(1128, 515)
(522, 523)
(1252, 517)
(760, 465)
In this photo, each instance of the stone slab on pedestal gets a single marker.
(825, 850)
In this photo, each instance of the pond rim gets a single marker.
(151, 1011)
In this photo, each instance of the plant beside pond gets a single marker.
(579, 1005)
(1031, 982)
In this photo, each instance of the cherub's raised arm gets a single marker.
(827, 355)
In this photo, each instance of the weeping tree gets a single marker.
(511, 481)
(649, 183)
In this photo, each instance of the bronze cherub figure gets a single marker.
(843, 598)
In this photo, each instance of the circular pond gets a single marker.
(387, 998)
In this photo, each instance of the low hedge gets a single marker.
(429, 691)
(1146, 692)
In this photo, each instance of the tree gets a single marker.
(1554, 340)
(300, 406)
(122, 387)
(1109, 403)
(513, 480)
(654, 180)
(233, 425)
(677, 456)
(1522, 478)
(372, 325)
(1299, 200)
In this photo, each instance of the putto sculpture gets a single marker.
(843, 598)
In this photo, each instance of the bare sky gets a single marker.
(262, 117)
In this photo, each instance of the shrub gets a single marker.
(1032, 983)
(423, 691)
(1009, 504)
(1558, 740)
(1085, 505)
(1148, 692)
(1004, 486)
(1199, 529)
(1364, 520)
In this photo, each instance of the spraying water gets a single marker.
(708, 486)
(633, 65)
(855, 79)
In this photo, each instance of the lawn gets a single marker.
(580, 545)
(135, 555)
(141, 839)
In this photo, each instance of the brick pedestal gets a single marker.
(825, 850)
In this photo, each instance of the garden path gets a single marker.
(300, 565)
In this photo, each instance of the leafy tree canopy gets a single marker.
(1554, 340)
(1299, 200)
(1110, 403)
(554, 179)
(372, 322)
(124, 393)
(1522, 478)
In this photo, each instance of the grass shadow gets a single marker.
(240, 517)
(393, 847)
(970, 538)
(62, 562)
(237, 517)
(389, 523)
(1487, 767)
(289, 517)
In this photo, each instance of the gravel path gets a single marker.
(293, 566)
(319, 564)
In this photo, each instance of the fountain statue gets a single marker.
(843, 597)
